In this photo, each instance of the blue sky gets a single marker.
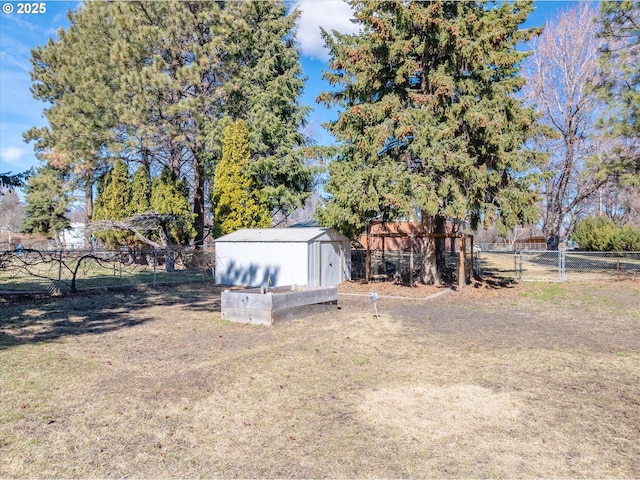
(21, 32)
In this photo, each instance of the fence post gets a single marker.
(517, 264)
(561, 265)
(155, 263)
(411, 262)
(60, 272)
(521, 263)
(473, 265)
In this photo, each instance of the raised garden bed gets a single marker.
(265, 306)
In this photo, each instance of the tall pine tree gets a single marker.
(171, 61)
(264, 88)
(431, 85)
(156, 82)
(74, 77)
(620, 82)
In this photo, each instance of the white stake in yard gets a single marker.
(374, 299)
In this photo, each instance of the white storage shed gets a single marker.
(272, 257)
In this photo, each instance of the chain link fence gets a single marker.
(403, 267)
(560, 265)
(46, 271)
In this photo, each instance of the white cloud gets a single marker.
(329, 14)
(12, 154)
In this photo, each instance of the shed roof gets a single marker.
(298, 234)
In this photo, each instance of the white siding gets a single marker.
(252, 263)
(248, 257)
(74, 238)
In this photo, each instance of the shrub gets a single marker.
(601, 234)
(594, 233)
(626, 239)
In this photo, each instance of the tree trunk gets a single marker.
(428, 268)
(169, 261)
(88, 209)
(440, 228)
(174, 161)
(198, 201)
(367, 256)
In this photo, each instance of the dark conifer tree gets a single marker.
(47, 199)
(431, 85)
(620, 83)
(157, 82)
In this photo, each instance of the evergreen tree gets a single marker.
(225, 60)
(431, 86)
(620, 82)
(114, 203)
(365, 190)
(237, 200)
(155, 82)
(47, 200)
(140, 191)
(8, 179)
(74, 76)
(168, 199)
(600, 234)
(264, 89)
(170, 60)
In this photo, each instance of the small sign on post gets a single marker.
(374, 299)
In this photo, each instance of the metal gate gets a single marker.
(539, 266)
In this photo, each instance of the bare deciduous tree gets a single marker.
(11, 213)
(561, 74)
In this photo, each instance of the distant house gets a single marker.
(74, 237)
(256, 257)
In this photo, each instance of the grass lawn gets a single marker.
(530, 380)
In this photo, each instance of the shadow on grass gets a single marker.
(494, 281)
(29, 319)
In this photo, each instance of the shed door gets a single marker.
(330, 264)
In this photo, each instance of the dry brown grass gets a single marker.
(527, 381)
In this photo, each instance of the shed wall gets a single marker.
(251, 263)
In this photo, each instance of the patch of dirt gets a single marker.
(389, 289)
